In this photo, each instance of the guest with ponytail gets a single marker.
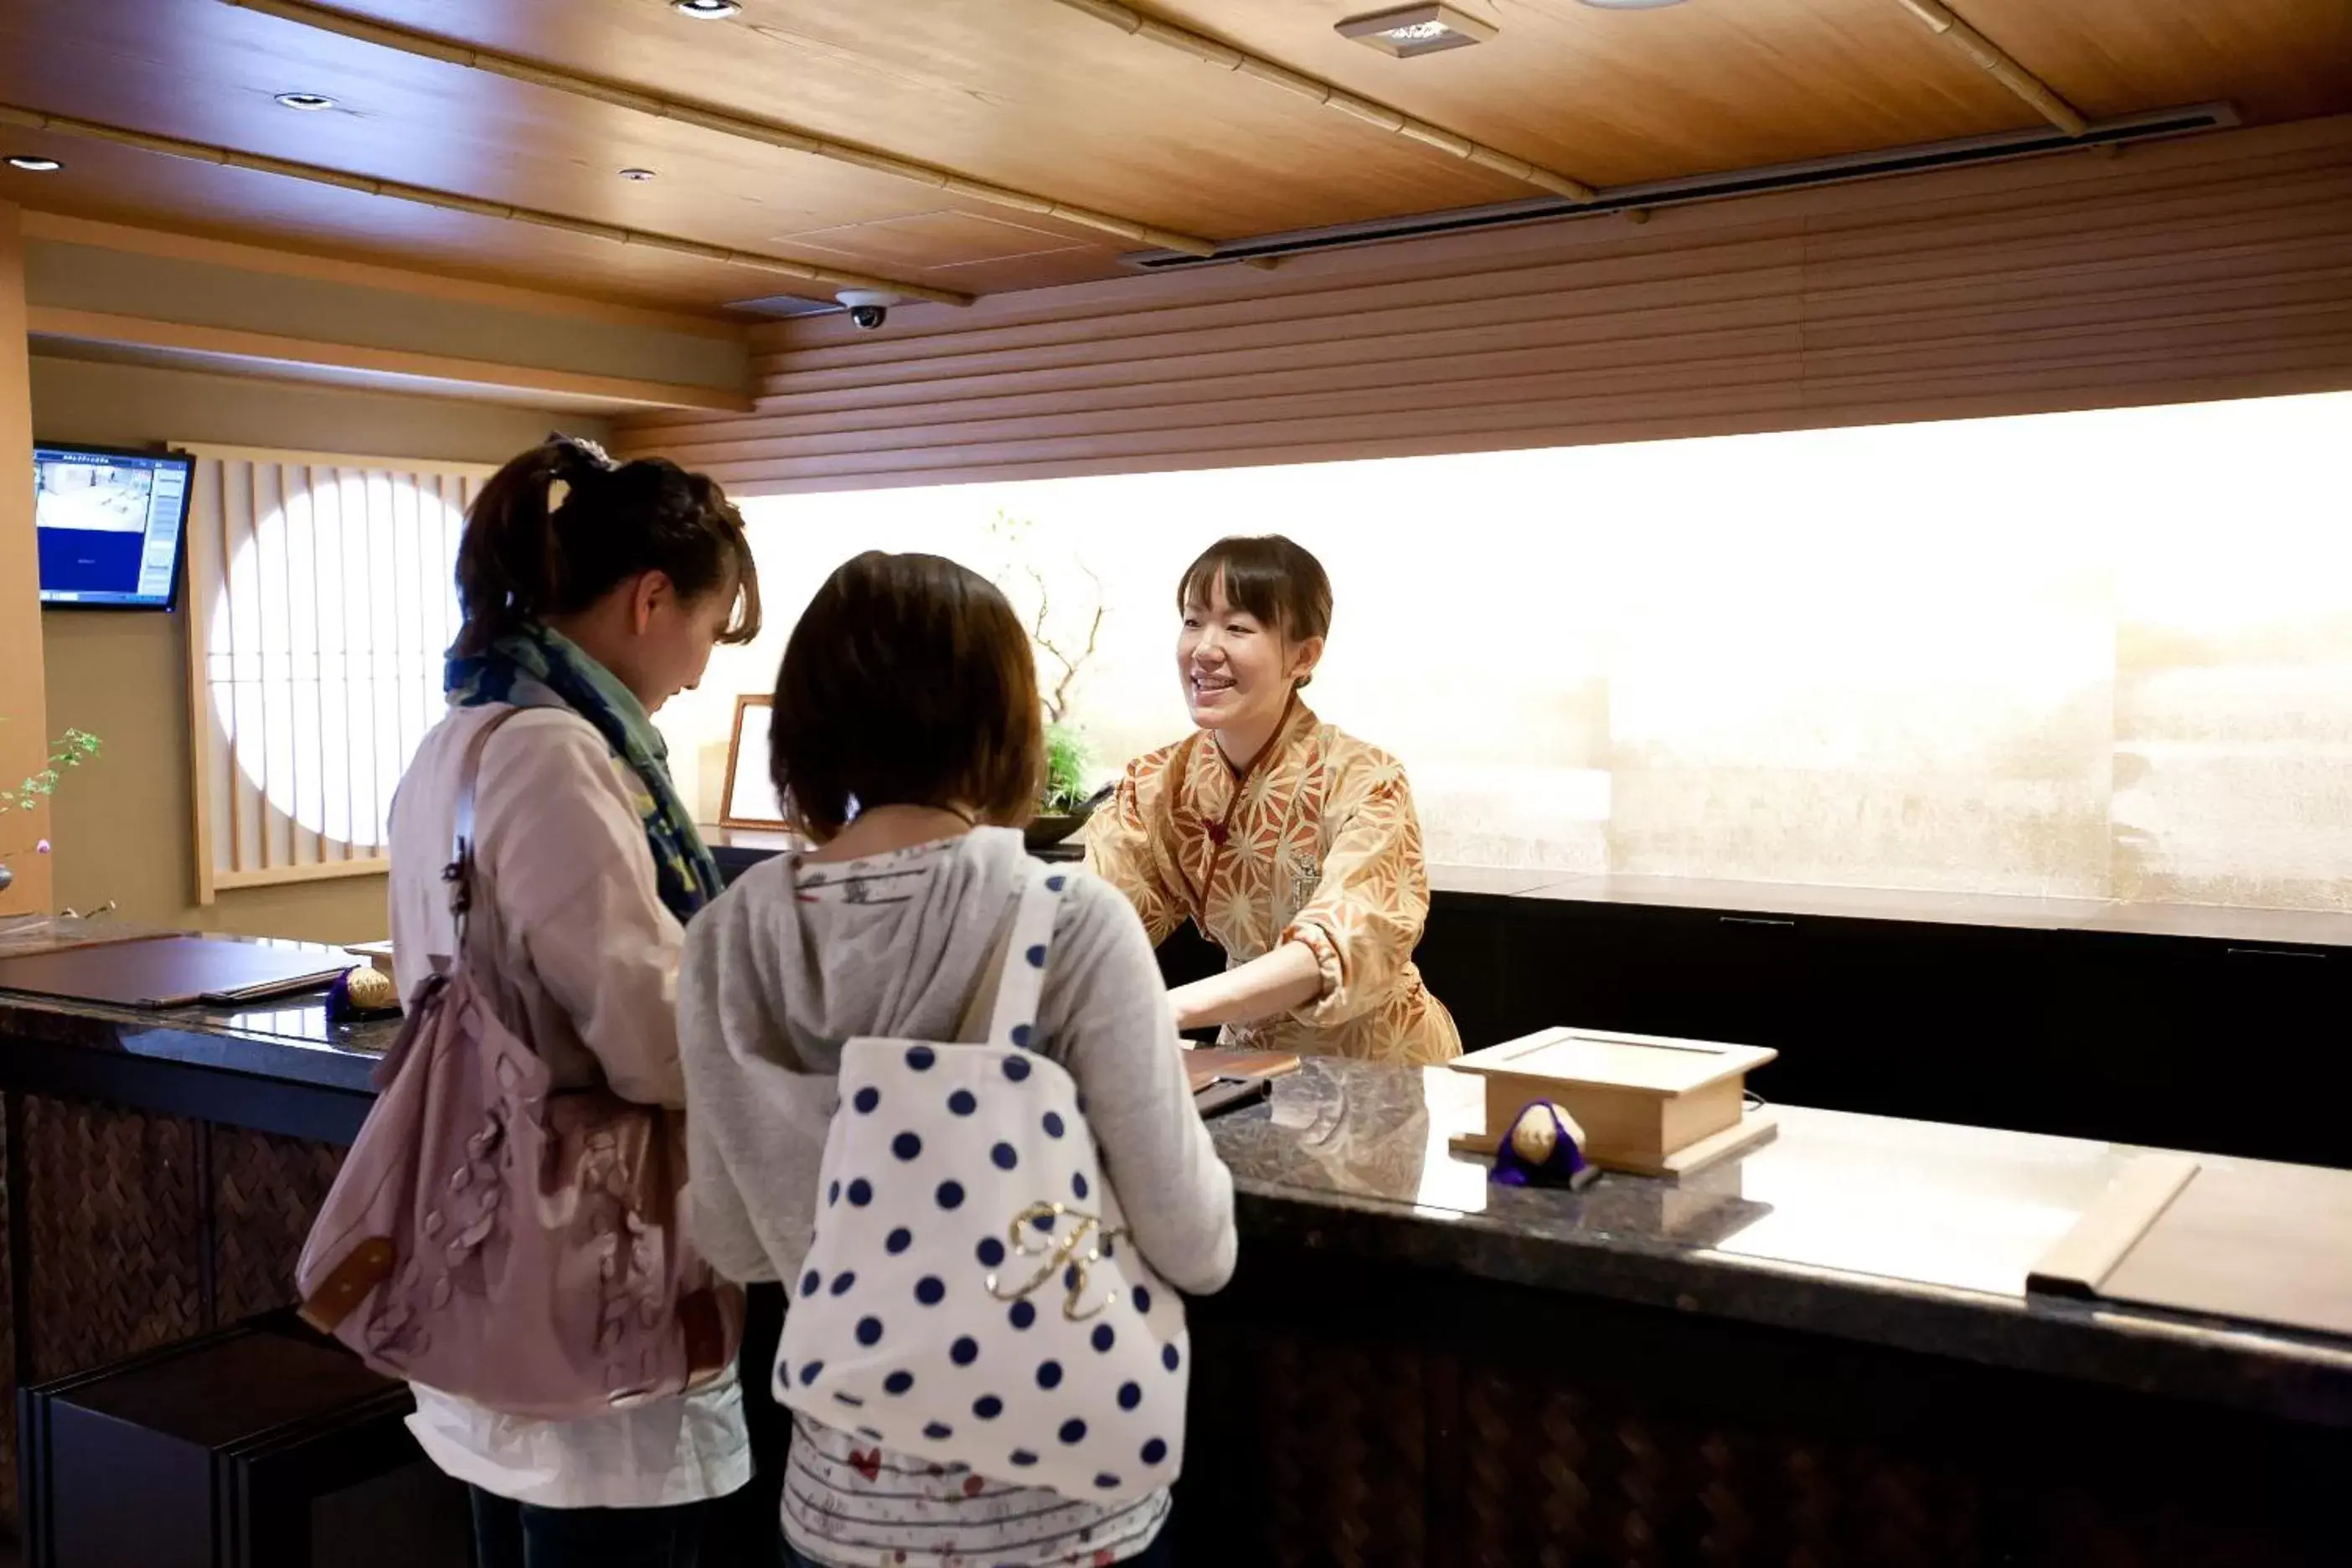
(560, 526)
(593, 593)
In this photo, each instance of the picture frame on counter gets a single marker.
(751, 800)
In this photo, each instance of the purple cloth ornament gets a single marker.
(1540, 1150)
(376, 997)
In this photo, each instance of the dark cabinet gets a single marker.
(256, 1446)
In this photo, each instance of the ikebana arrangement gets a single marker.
(1063, 651)
(66, 753)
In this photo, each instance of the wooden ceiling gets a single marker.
(1039, 96)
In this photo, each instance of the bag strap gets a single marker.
(1008, 985)
(467, 882)
(1020, 962)
(972, 1028)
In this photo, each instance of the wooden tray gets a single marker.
(1648, 1104)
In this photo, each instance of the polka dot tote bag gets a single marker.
(971, 1295)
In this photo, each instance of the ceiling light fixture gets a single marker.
(34, 164)
(636, 174)
(306, 102)
(1630, 5)
(706, 10)
(1417, 30)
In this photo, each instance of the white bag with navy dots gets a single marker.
(971, 1295)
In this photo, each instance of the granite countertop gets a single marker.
(289, 1041)
(1912, 1235)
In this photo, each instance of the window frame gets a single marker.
(223, 517)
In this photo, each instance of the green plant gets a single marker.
(68, 751)
(1067, 757)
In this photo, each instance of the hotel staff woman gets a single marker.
(1292, 846)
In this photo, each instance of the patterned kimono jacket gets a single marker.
(1316, 844)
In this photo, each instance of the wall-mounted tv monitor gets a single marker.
(108, 525)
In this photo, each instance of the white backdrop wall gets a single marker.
(2099, 655)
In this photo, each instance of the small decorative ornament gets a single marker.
(361, 995)
(1535, 1137)
(591, 449)
(1542, 1149)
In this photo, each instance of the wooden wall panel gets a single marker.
(2213, 268)
(25, 737)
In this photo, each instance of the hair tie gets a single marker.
(582, 447)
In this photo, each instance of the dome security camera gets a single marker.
(868, 307)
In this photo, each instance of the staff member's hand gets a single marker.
(1285, 978)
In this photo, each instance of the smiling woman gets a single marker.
(1293, 846)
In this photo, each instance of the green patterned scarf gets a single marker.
(537, 667)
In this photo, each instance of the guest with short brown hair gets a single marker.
(907, 741)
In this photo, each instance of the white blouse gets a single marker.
(560, 837)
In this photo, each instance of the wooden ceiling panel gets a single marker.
(119, 183)
(947, 237)
(1613, 97)
(1035, 95)
(2274, 60)
(208, 72)
(1025, 92)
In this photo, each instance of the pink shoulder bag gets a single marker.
(490, 1237)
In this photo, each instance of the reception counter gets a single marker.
(1821, 1351)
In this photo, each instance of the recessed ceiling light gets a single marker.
(33, 164)
(1417, 30)
(308, 102)
(706, 10)
(636, 174)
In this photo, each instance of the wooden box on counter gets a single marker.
(1650, 1105)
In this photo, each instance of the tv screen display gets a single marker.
(108, 525)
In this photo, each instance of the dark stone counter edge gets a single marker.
(198, 1040)
(220, 1073)
(2272, 1373)
(191, 1064)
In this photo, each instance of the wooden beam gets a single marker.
(61, 228)
(1225, 56)
(1998, 64)
(450, 201)
(141, 332)
(743, 127)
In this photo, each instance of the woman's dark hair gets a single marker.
(908, 681)
(1268, 576)
(526, 556)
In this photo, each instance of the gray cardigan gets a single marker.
(772, 984)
